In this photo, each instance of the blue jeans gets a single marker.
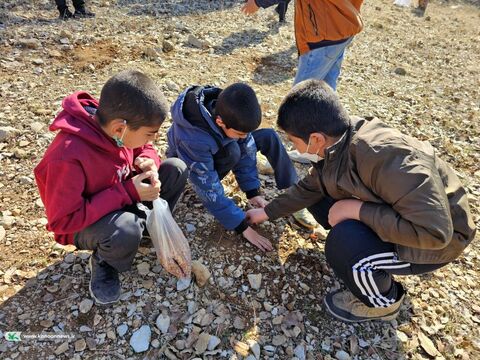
(323, 64)
(270, 145)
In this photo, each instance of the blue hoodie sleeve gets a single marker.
(266, 3)
(246, 171)
(207, 185)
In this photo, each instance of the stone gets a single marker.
(2, 233)
(213, 342)
(85, 306)
(172, 86)
(140, 339)
(143, 268)
(190, 228)
(80, 345)
(342, 355)
(163, 323)
(241, 348)
(400, 71)
(37, 61)
(150, 53)
(155, 343)
(46, 323)
(6, 132)
(30, 43)
(255, 281)
(183, 283)
(167, 46)
(239, 323)
(122, 329)
(202, 343)
(197, 43)
(180, 344)
(299, 352)
(279, 340)
(61, 348)
(201, 272)
(254, 347)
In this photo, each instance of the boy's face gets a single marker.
(229, 132)
(317, 144)
(136, 138)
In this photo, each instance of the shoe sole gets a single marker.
(90, 288)
(387, 317)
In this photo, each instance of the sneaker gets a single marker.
(263, 165)
(83, 13)
(306, 219)
(65, 14)
(345, 306)
(294, 155)
(104, 282)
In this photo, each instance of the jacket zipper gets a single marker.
(313, 19)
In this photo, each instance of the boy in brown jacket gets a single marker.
(323, 29)
(393, 206)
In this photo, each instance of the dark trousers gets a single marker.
(115, 237)
(269, 144)
(363, 261)
(281, 9)
(62, 4)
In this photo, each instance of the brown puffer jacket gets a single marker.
(411, 197)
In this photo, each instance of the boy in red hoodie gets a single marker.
(99, 167)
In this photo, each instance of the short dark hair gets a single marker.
(132, 96)
(238, 107)
(312, 106)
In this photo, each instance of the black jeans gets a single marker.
(363, 261)
(115, 237)
(62, 4)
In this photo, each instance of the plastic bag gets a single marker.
(171, 246)
(402, 2)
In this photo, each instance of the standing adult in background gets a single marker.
(281, 9)
(323, 29)
(80, 10)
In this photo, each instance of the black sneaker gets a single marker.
(104, 282)
(83, 13)
(65, 14)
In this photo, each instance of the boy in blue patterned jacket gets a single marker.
(213, 132)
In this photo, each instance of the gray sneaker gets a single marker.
(104, 282)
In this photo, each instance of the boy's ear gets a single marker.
(319, 139)
(117, 126)
(219, 121)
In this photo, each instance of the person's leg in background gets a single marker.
(173, 175)
(366, 264)
(62, 7)
(80, 10)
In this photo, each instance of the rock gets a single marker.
(202, 343)
(150, 53)
(91, 343)
(54, 53)
(122, 329)
(80, 345)
(241, 348)
(183, 283)
(190, 228)
(201, 272)
(254, 347)
(6, 132)
(30, 43)
(140, 339)
(85, 306)
(180, 344)
(342, 355)
(279, 340)
(167, 46)
(62, 348)
(239, 323)
(172, 86)
(299, 352)
(2, 233)
(163, 323)
(255, 281)
(155, 343)
(37, 61)
(195, 42)
(427, 345)
(213, 342)
(143, 268)
(400, 71)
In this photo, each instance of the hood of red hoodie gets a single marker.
(76, 120)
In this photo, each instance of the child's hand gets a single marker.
(256, 216)
(258, 201)
(344, 210)
(250, 7)
(146, 164)
(147, 192)
(258, 240)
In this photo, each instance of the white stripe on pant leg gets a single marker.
(364, 265)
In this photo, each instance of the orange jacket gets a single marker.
(317, 20)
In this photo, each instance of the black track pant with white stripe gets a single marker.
(363, 261)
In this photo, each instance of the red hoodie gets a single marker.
(84, 175)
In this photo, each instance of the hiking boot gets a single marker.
(65, 14)
(345, 306)
(294, 155)
(263, 165)
(83, 13)
(104, 282)
(305, 218)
